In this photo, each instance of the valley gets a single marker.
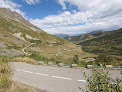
(32, 57)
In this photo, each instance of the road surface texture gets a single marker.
(53, 79)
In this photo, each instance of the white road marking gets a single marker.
(18, 69)
(82, 80)
(27, 71)
(52, 76)
(62, 77)
(41, 74)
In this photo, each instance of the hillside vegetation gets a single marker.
(81, 38)
(107, 44)
(17, 33)
(111, 43)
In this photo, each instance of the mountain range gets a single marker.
(62, 35)
(87, 36)
(99, 42)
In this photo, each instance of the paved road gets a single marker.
(23, 50)
(52, 79)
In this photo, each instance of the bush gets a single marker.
(100, 81)
(36, 56)
(75, 59)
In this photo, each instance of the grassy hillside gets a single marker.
(110, 44)
(17, 33)
(81, 38)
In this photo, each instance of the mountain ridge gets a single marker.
(87, 36)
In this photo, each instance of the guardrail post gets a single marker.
(61, 64)
(50, 63)
(109, 66)
(39, 62)
(89, 66)
(74, 65)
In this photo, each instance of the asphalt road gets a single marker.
(53, 79)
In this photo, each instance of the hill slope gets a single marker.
(102, 43)
(88, 36)
(16, 33)
(111, 43)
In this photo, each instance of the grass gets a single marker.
(25, 59)
(6, 72)
(18, 87)
(12, 47)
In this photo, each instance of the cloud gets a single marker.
(32, 1)
(11, 5)
(65, 18)
(92, 15)
(106, 24)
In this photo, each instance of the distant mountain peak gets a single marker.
(97, 31)
(62, 35)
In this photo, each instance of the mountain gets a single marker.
(88, 36)
(18, 35)
(108, 44)
(62, 35)
(102, 42)
(97, 31)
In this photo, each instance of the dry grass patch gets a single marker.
(18, 87)
(25, 59)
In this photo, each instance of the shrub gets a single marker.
(75, 59)
(100, 81)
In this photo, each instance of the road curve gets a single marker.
(23, 50)
(53, 79)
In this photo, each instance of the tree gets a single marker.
(75, 59)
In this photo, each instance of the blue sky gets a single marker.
(69, 16)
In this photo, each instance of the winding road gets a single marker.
(23, 50)
(53, 79)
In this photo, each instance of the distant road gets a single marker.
(53, 79)
(23, 50)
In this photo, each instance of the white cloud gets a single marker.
(65, 18)
(32, 1)
(11, 5)
(8, 4)
(92, 15)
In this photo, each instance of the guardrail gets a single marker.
(75, 65)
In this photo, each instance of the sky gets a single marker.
(69, 16)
